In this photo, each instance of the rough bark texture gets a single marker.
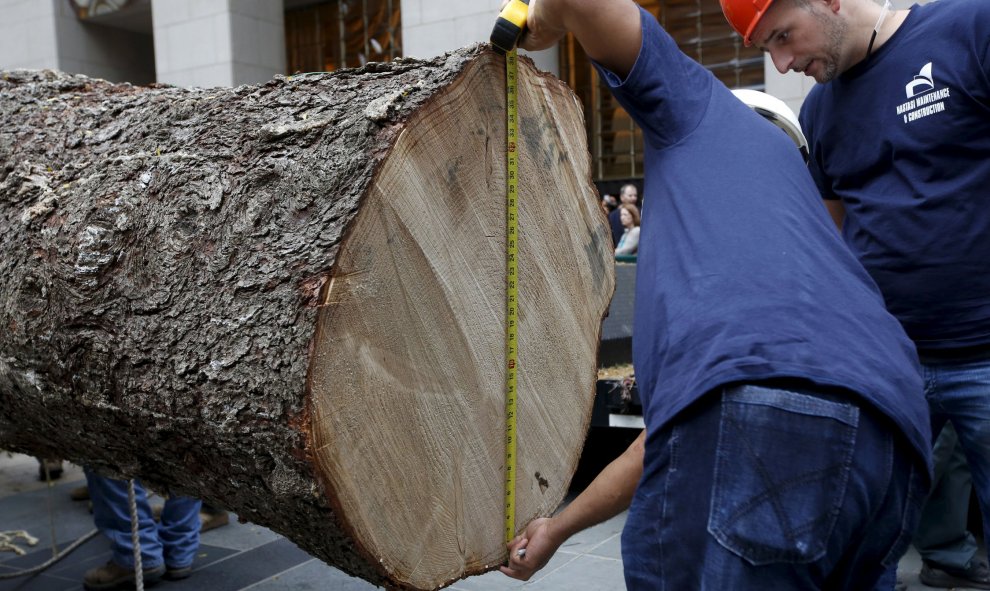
(166, 254)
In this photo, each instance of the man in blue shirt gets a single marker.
(899, 134)
(783, 405)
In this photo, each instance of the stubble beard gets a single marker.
(835, 34)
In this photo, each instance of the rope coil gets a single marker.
(7, 540)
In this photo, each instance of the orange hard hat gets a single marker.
(744, 15)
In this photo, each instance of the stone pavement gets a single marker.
(240, 557)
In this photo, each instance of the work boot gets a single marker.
(112, 576)
(49, 469)
(976, 575)
(212, 518)
(80, 493)
(177, 574)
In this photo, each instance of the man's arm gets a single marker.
(837, 210)
(608, 495)
(609, 30)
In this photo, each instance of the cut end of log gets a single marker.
(408, 378)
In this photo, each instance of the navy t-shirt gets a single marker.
(903, 139)
(742, 276)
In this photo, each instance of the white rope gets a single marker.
(51, 561)
(138, 571)
(6, 539)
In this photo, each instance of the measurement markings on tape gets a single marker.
(511, 289)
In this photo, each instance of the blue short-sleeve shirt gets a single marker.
(903, 139)
(742, 276)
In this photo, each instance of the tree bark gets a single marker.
(288, 299)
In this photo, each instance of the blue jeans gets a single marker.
(763, 488)
(960, 392)
(173, 542)
(942, 538)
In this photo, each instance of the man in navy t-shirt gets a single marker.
(899, 133)
(787, 439)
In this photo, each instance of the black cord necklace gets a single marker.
(876, 28)
(869, 50)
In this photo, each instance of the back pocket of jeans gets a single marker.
(781, 470)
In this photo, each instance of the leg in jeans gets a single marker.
(760, 488)
(179, 531)
(961, 393)
(888, 581)
(942, 538)
(111, 513)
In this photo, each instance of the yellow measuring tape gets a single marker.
(511, 289)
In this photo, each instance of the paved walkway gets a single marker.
(239, 556)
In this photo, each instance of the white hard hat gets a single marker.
(777, 112)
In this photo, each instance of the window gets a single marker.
(88, 8)
(701, 31)
(342, 34)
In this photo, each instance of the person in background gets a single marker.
(609, 203)
(943, 537)
(49, 469)
(210, 516)
(629, 241)
(627, 194)
(787, 441)
(899, 136)
(167, 548)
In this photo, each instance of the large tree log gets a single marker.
(289, 299)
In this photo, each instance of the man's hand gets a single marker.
(541, 32)
(608, 495)
(540, 547)
(608, 30)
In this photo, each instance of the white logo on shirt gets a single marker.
(923, 82)
(923, 98)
